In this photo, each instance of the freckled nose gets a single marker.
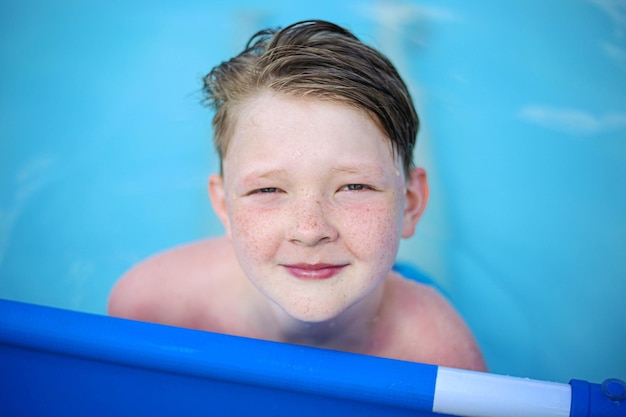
(310, 224)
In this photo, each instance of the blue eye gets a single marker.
(355, 187)
(264, 191)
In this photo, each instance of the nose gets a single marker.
(310, 224)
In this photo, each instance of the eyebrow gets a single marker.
(359, 169)
(369, 170)
(273, 175)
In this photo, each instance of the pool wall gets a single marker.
(60, 362)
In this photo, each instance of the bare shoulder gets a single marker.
(431, 327)
(165, 286)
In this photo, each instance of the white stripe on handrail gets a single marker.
(478, 394)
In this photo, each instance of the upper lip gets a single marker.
(314, 267)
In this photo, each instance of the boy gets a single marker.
(315, 132)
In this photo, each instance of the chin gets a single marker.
(320, 302)
(315, 314)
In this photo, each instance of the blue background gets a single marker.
(105, 151)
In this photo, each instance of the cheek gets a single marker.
(251, 232)
(374, 231)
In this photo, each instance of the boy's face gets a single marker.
(314, 202)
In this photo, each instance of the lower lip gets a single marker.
(314, 273)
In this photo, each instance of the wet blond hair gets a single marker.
(318, 59)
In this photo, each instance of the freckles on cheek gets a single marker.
(243, 228)
(374, 231)
(249, 231)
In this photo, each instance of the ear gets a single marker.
(218, 200)
(415, 201)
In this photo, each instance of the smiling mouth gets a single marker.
(314, 271)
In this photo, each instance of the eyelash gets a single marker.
(347, 187)
(356, 187)
(265, 190)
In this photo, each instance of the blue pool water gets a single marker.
(105, 151)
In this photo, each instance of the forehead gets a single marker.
(268, 110)
(308, 144)
(307, 139)
(300, 123)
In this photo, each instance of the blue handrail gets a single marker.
(60, 362)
